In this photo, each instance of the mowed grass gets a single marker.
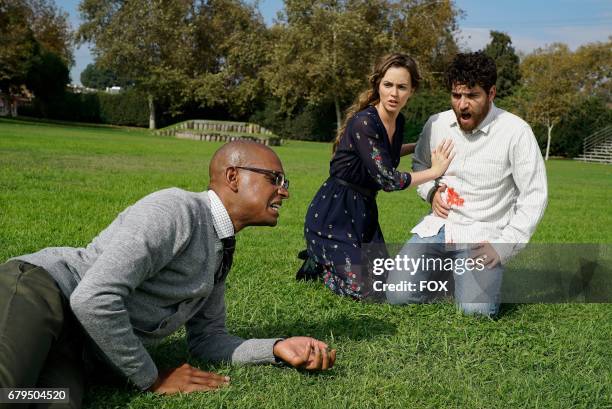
(60, 185)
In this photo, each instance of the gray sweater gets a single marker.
(146, 275)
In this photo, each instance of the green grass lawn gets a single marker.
(60, 185)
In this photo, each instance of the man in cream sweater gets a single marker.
(487, 205)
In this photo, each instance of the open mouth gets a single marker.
(276, 207)
(466, 116)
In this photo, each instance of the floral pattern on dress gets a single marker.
(349, 286)
(389, 179)
(340, 220)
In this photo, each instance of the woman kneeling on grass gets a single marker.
(343, 216)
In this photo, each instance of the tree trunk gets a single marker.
(338, 113)
(12, 105)
(550, 127)
(152, 124)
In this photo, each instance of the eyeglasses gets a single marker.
(277, 178)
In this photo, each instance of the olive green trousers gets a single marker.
(40, 342)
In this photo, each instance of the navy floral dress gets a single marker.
(343, 214)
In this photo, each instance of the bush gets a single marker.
(420, 107)
(314, 123)
(589, 116)
(66, 106)
(318, 123)
(126, 108)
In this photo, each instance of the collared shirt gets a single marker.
(221, 220)
(498, 180)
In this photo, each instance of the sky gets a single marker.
(530, 23)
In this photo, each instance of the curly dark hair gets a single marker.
(472, 69)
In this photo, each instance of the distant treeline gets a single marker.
(219, 60)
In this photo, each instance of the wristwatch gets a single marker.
(433, 190)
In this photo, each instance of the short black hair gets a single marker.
(472, 69)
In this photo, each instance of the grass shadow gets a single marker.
(507, 310)
(354, 327)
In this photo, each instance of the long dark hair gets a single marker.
(371, 96)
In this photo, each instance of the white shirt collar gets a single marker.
(221, 220)
(486, 123)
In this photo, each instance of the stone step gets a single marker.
(203, 130)
(594, 159)
(224, 138)
(606, 153)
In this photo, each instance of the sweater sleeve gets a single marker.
(209, 340)
(146, 237)
(421, 160)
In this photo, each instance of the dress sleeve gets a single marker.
(375, 156)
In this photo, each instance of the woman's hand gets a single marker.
(442, 156)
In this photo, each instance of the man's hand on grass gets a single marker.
(300, 352)
(305, 353)
(186, 379)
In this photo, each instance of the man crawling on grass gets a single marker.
(161, 264)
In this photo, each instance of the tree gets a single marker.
(425, 30)
(18, 46)
(508, 68)
(51, 28)
(323, 51)
(420, 108)
(47, 78)
(230, 46)
(35, 50)
(208, 52)
(594, 69)
(588, 116)
(149, 41)
(94, 76)
(557, 83)
(550, 86)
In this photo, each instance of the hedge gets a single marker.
(126, 108)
